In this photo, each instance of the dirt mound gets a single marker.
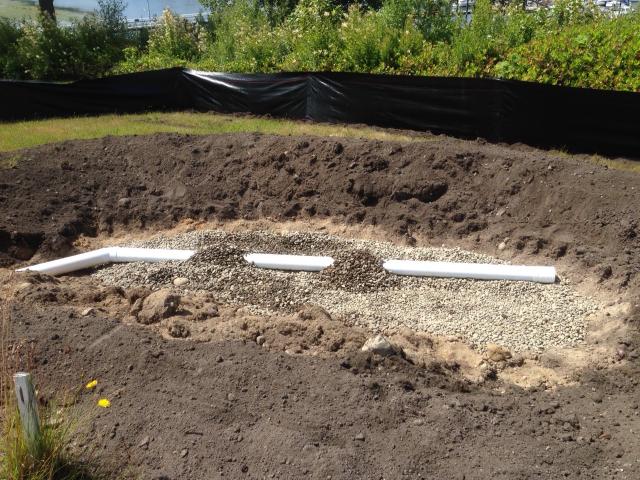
(534, 202)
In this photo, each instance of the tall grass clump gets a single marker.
(48, 457)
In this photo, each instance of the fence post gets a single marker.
(28, 407)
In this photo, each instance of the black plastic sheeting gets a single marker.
(581, 120)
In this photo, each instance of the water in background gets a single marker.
(136, 8)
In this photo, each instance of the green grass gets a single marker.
(14, 136)
(19, 9)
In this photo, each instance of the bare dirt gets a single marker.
(225, 403)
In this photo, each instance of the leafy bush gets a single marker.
(572, 43)
(369, 43)
(9, 34)
(598, 55)
(433, 18)
(244, 40)
(175, 37)
(311, 36)
(42, 49)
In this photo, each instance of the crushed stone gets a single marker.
(518, 315)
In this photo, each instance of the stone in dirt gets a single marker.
(180, 281)
(87, 311)
(179, 330)
(497, 353)
(157, 306)
(313, 312)
(380, 345)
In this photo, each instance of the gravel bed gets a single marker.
(518, 315)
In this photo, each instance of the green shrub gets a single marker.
(244, 41)
(433, 18)
(41, 49)
(175, 37)
(598, 55)
(311, 36)
(9, 34)
(369, 43)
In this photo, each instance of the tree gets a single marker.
(46, 7)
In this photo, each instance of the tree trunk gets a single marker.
(46, 7)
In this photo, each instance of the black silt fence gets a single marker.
(576, 119)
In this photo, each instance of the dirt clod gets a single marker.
(157, 306)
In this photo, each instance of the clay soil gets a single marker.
(229, 407)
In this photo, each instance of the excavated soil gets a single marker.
(289, 394)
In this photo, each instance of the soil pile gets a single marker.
(549, 205)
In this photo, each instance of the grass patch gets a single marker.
(612, 163)
(14, 136)
(48, 458)
(9, 161)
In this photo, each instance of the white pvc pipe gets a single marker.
(108, 255)
(306, 263)
(480, 271)
(127, 254)
(71, 264)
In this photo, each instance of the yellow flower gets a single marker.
(91, 385)
(104, 403)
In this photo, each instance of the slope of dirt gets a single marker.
(183, 409)
(563, 208)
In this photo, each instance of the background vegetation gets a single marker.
(571, 44)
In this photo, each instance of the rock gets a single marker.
(496, 353)
(87, 311)
(180, 281)
(516, 361)
(144, 442)
(360, 437)
(219, 359)
(136, 307)
(137, 292)
(488, 372)
(260, 339)
(179, 330)
(157, 306)
(313, 312)
(502, 246)
(23, 285)
(124, 202)
(184, 452)
(380, 345)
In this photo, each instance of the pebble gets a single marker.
(144, 442)
(380, 345)
(87, 311)
(359, 437)
(180, 281)
(518, 316)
